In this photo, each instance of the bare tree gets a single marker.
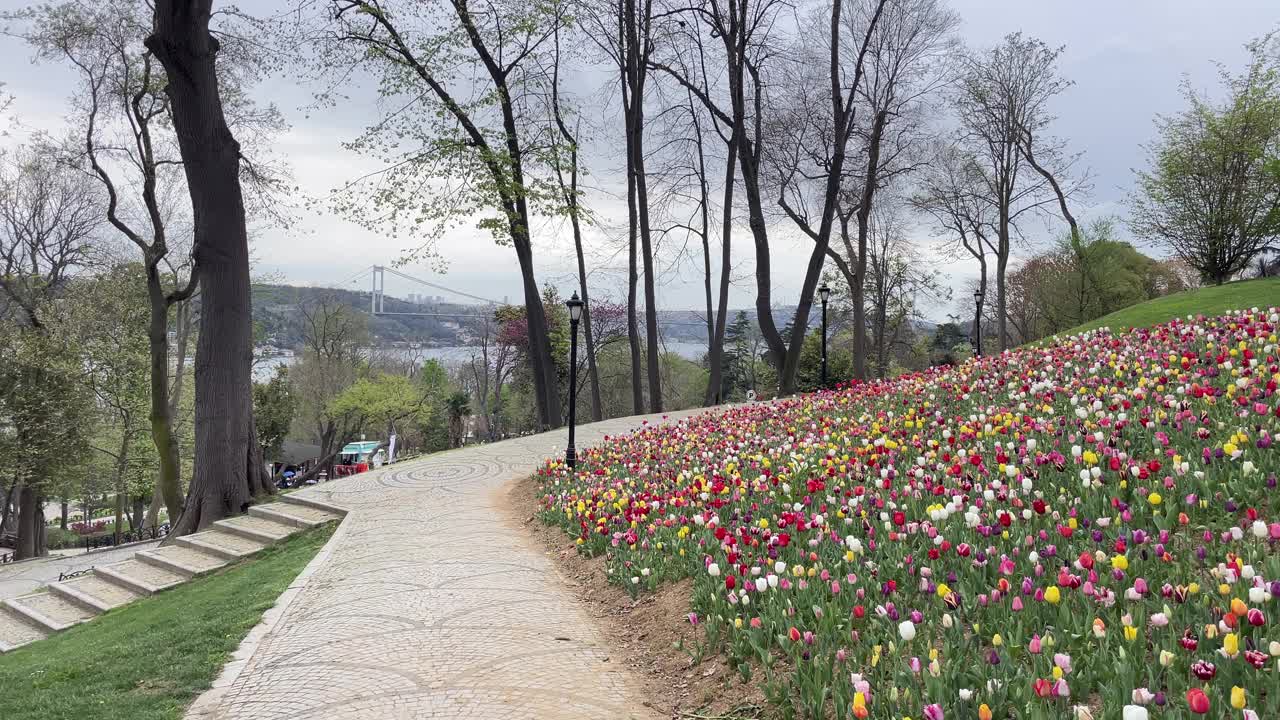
(907, 63)
(895, 280)
(49, 216)
(744, 28)
(746, 32)
(1002, 101)
(817, 156)
(951, 192)
(623, 30)
(565, 159)
(690, 186)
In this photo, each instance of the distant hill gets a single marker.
(278, 311)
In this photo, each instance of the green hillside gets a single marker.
(1214, 300)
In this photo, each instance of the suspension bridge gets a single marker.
(377, 276)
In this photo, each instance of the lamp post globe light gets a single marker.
(575, 306)
(977, 321)
(824, 292)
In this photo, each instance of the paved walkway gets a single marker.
(429, 605)
(25, 577)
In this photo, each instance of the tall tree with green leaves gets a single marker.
(121, 113)
(49, 217)
(274, 407)
(1212, 192)
(110, 318)
(463, 79)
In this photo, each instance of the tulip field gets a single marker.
(1089, 529)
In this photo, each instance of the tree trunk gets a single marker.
(139, 507)
(546, 383)
(593, 374)
(1002, 262)
(10, 499)
(162, 434)
(633, 327)
(122, 466)
(777, 349)
(636, 142)
(748, 162)
(870, 184)
(153, 512)
(64, 516)
(858, 295)
(882, 340)
(211, 160)
(31, 540)
(256, 466)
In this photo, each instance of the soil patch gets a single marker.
(647, 633)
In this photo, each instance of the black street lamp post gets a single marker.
(824, 292)
(575, 306)
(977, 322)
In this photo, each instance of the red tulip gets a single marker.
(1197, 701)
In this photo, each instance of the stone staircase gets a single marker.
(61, 605)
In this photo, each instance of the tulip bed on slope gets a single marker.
(1087, 530)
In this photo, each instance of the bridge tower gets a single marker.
(379, 287)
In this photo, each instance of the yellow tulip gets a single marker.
(1237, 697)
(1231, 644)
(1052, 595)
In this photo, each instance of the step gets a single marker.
(333, 511)
(221, 543)
(95, 591)
(16, 630)
(50, 610)
(184, 561)
(299, 516)
(258, 529)
(140, 577)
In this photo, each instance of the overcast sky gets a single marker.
(1126, 57)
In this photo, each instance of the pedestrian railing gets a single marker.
(76, 574)
(139, 535)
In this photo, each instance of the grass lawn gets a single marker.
(150, 659)
(1214, 300)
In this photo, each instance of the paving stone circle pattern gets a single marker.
(429, 604)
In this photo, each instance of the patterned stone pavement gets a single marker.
(428, 605)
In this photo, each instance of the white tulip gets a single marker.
(1134, 712)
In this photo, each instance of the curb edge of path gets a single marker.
(206, 706)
